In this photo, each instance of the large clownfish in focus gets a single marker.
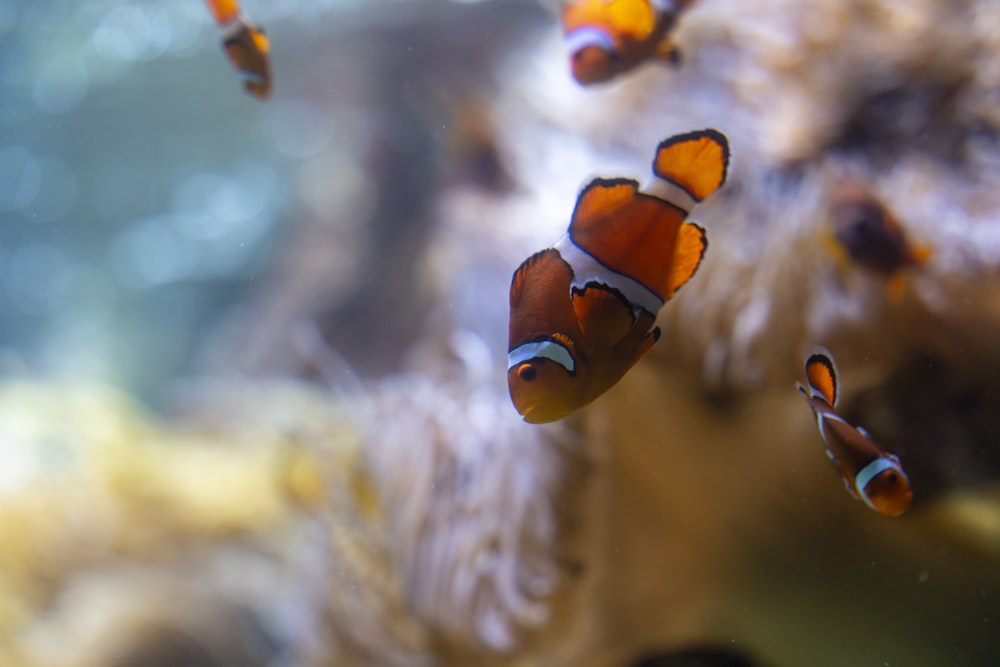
(608, 37)
(246, 46)
(870, 473)
(582, 313)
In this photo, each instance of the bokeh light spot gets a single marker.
(58, 192)
(61, 85)
(299, 128)
(124, 34)
(20, 178)
(150, 253)
(37, 275)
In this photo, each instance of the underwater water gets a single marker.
(254, 400)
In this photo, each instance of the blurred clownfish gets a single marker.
(608, 37)
(870, 473)
(246, 45)
(871, 236)
(582, 313)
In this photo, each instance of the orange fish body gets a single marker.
(872, 237)
(608, 37)
(246, 46)
(583, 312)
(870, 474)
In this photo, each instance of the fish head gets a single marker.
(889, 492)
(542, 390)
(593, 54)
(593, 64)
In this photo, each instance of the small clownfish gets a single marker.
(870, 473)
(582, 313)
(246, 45)
(608, 37)
(872, 237)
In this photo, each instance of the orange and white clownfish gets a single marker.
(582, 312)
(870, 473)
(872, 237)
(608, 37)
(246, 45)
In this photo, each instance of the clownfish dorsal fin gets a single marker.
(690, 250)
(821, 373)
(696, 162)
(520, 275)
(604, 315)
(599, 199)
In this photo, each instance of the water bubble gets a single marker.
(20, 178)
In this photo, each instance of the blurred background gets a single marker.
(147, 201)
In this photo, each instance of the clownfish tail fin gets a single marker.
(696, 162)
(821, 374)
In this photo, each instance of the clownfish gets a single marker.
(583, 312)
(246, 45)
(608, 37)
(872, 237)
(869, 473)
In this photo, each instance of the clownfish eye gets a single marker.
(527, 372)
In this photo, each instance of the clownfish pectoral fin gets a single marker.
(821, 373)
(697, 162)
(690, 250)
(603, 314)
(863, 431)
(833, 459)
(849, 485)
(599, 199)
(802, 389)
(645, 345)
(565, 341)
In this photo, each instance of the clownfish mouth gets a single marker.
(527, 416)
